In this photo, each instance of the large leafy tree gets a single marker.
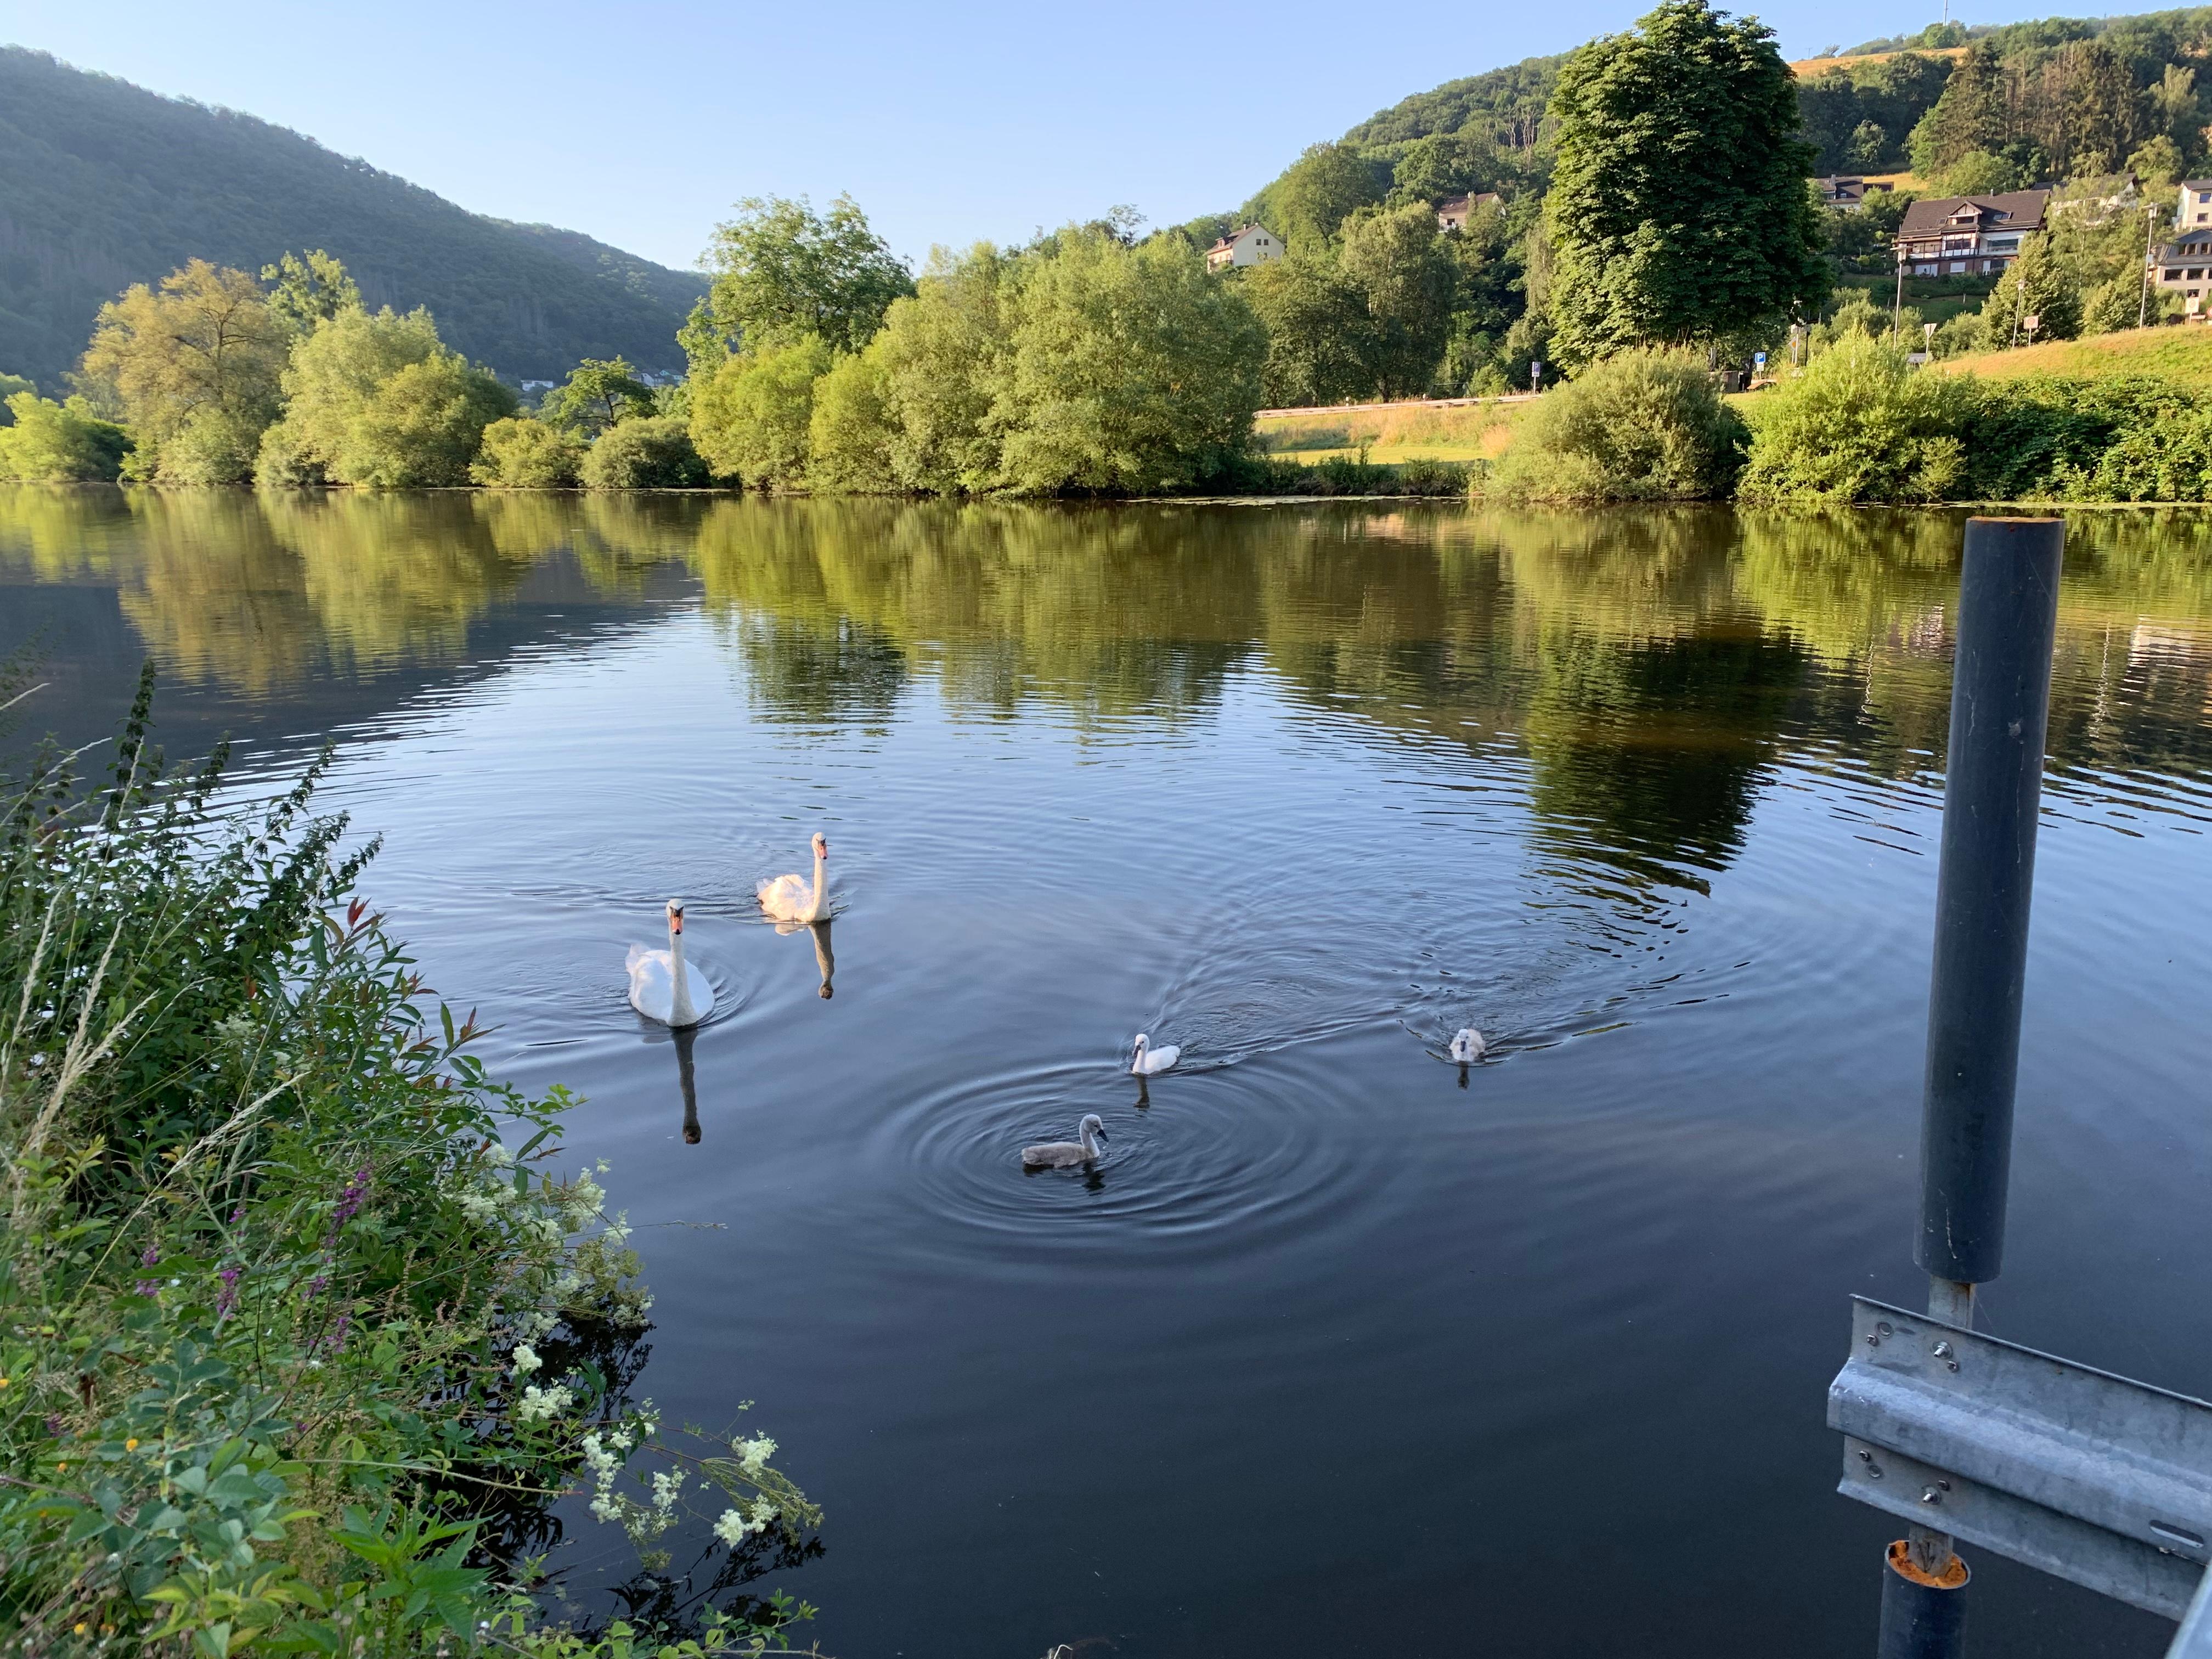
(1397, 258)
(1126, 370)
(1320, 336)
(310, 287)
(192, 368)
(1319, 191)
(379, 399)
(1678, 210)
(597, 393)
(782, 271)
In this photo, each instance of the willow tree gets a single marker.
(1679, 209)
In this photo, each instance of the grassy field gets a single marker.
(1409, 432)
(2183, 353)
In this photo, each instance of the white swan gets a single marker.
(1467, 1047)
(1151, 1061)
(788, 898)
(665, 987)
(1066, 1154)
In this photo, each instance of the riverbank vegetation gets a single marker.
(307, 1320)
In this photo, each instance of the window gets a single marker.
(1923, 270)
(2202, 217)
(2195, 273)
(2171, 274)
(2204, 195)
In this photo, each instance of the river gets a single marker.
(1341, 1347)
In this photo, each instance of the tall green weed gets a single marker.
(302, 1331)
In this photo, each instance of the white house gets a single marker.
(2196, 207)
(1247, 245)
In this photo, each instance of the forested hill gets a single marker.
(103, 184)
(1860, 106)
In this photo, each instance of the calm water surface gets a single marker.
(1339, 1349)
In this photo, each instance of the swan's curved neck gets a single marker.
(821, 888)
(1090, 1140)
(680, 1010)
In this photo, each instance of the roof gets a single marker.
(1235, 237)
(2197, 184)
(2014, 209)
(2193, 244)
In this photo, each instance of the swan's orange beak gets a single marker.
(675, 921)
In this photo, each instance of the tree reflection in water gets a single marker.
(1644, 664)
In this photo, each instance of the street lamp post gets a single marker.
(2142, 300)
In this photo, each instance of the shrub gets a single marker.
(1857, 425)
(1639, 427)
(47, 442)
(751, 418)
(520, 452)
(377, 399)
(297, 1352)
(646, 454)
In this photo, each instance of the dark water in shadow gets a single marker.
(1337, 1347)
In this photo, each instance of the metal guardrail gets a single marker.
(2086, 1476)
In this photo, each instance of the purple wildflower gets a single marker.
(150, 1287)
(226, 1304)
(351, 1200)
(336, 1339)
(318, 1285)
(151, 1258)
(238, 1215)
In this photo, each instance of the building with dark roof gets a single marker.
(1968, 235)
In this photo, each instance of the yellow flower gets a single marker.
(130, 1446)
(4, 1381)
(81, 1630)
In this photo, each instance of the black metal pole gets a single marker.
(1992, 789)
(2000, 708)
(1922, 1615)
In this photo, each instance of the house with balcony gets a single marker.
(1968, 235)
(1247, 245)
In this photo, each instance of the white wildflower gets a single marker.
(478, 1207)
(732, 1529)
(539, 1405)
(666, 1486)
(751, 1453)
(498, 1157)
(525, 1359)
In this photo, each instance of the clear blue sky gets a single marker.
(640, 123)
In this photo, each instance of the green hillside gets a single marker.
(103, 184)
(1860, 106)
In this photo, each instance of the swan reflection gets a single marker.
(824, 958)
(685, 1036)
